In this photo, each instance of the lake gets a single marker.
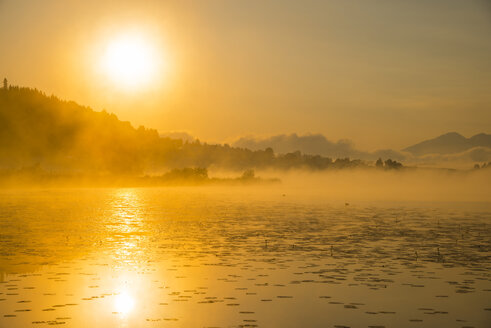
(239, 257)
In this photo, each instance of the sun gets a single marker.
(131, 61)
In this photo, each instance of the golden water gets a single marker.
(196, 257)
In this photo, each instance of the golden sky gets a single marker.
(383, 73)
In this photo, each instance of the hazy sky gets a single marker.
(384, 73)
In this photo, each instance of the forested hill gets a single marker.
(39, 131)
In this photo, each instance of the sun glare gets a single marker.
(131, 61)
(124, 303)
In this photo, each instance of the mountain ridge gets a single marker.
(449, 143)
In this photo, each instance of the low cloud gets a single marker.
(318, 144)
(315, 144)
(460, 160)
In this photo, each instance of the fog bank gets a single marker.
(378, 185)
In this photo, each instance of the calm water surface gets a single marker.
(172, 257)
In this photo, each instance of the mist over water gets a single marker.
(282, 255)
(327, 164)
(424, 185)
(102, 224)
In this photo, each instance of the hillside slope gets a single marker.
(449, 143)
(37, 131)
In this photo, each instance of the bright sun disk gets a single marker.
(130, 61)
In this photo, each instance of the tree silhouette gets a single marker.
(61, 136)
(379, 163)
(390, 164)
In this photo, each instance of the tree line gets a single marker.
(40, 132)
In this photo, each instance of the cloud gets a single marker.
(315, 144)
(461, 160)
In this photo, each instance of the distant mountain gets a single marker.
(449, 143)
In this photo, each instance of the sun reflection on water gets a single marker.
(124, 226)
(124, 303)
